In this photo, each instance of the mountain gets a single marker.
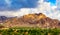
(32, 20)
(2, 19)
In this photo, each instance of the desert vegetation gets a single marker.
(29, 31)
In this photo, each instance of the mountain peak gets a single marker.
(33, 20)
(34, 16)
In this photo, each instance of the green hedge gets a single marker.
(29, 31)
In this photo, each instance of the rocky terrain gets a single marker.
(32, 20)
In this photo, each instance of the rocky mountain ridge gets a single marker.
(32, 20)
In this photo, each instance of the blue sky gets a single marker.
(53, 2)
(22, 7)
(17, 4)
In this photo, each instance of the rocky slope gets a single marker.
(3, 18)
(32, 20)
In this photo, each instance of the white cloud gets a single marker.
(54, 7)
(43, 7)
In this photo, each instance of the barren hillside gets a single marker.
(32, 20)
